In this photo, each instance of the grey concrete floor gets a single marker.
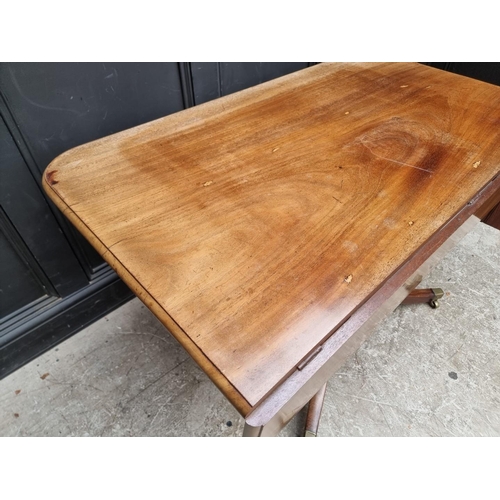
(423, 372)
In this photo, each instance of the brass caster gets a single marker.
(438, 294)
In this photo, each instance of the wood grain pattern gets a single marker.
(253, 226)
(419, 296)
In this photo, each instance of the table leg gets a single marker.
(424, 295)
(314, 413)
(250, 431)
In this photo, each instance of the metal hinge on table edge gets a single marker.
(309, 358)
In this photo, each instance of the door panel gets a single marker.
(487, 72)
(239, 76)
(62, 105)
(212, 80)
(19, 284)
(24, 204)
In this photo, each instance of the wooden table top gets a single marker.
(254, 225)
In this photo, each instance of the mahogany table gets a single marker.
(270, 229)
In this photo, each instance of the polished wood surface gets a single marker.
(253, 226)
(419, 296)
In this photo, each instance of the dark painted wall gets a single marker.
(52, 283)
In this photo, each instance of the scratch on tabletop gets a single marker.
(394, 161)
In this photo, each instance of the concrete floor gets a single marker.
(423, 372)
